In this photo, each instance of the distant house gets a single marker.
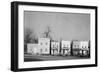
(75, 47)
(44, 45)
(84, 48)
(55, 48)
(33, 49)
(65, 47)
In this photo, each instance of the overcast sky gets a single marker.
(68, 26)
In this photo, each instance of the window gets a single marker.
(64, 45)
(57, 46)
(41, 49)
(53, 46)
(74, 46)
(82, 46)
(46, 49)
(30, 50)
(77, 45)
(41, 43)
(67, 46)
(46, 43)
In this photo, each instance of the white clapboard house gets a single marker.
(55, 48)
(33, 49)
(65, 47)
(84, 48)
(44, 46)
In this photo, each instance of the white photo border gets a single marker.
(22, 64)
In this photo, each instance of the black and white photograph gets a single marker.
(52, 36)
(56, 36)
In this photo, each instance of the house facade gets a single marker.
(65, 47)
(55, 48)
(33, 49)
(44, 45)
(84, 48)
(75, 47)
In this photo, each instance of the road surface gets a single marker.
(28, 57)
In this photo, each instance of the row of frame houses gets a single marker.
(47, 47)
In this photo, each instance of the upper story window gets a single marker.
(41, 49)
(41, 43)
(46, 43)
(74, 46)
(67, 46)
(64, 46)
(53, 46)
(86, 46)
(57, 46)
(45, 49)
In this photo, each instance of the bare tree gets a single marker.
(29, 37)
(47, 33)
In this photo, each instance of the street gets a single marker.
(29, 57)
